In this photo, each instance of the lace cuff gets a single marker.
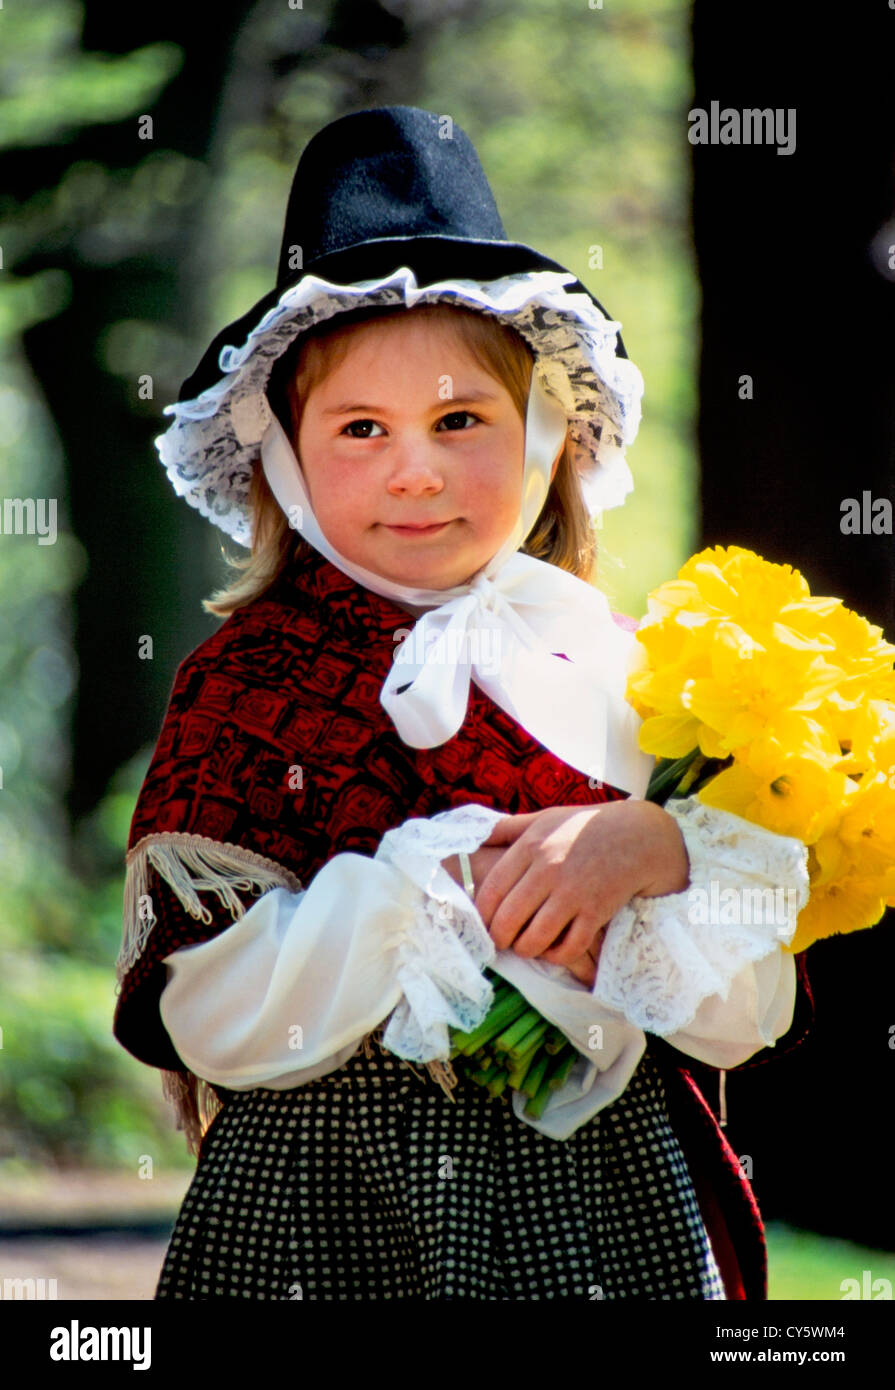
(662, 956)
(443, 953)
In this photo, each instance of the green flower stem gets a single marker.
(559, 1072)
(486, 1059)
(535, 1076)
(498, 1018)
(535, 1034)
(690, 776)
(513, 1035)
(498, 1085)
(538, 1103)
(519, 1071)
(556, 1040)
(667, 775)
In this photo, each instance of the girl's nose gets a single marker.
(414, 471)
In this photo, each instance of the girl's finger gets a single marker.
(500, 879)
(578, 939)
(549, 933)
(516, 909)
(507, 830)
(550, 953)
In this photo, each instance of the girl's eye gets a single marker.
(365, 424)
(355, 423)
(458, 415)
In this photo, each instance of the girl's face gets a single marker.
(412, 455)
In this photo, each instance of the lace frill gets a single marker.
(662, 956)
(443, 953)
(210, 450)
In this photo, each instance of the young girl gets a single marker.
(406, 756)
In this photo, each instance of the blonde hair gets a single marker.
(563, 535)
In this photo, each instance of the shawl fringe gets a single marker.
(195, 1103)
(190, 865)
(442, 1073)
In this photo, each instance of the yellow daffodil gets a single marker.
(862, 843)
(743, 585)
(789, 793)
(844, 905)
(864, 730)
(789, 699)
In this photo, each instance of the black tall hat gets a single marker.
(391, 206)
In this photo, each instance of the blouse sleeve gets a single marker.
(705, 968)
(285, 994)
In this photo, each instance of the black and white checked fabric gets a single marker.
(371, 1184)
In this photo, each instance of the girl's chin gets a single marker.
(419, 577)
(423, 572)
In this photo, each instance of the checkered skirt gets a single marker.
(371, 1183)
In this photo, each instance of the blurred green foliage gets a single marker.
(49, 88)
(578, 116)
(68, 1091)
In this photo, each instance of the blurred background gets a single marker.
(147, 155)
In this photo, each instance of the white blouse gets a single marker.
(285, 995)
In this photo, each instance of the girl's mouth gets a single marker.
(419, 530)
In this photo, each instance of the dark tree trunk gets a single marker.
(797, 295)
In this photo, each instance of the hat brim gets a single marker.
(211, 450)
(430, 258)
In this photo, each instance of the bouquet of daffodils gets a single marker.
(765, 702)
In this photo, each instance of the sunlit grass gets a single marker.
(804, 1265)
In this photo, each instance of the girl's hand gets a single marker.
(481, 861)
(585, 968)
(564, 873)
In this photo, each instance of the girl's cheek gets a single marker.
(333, 473)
